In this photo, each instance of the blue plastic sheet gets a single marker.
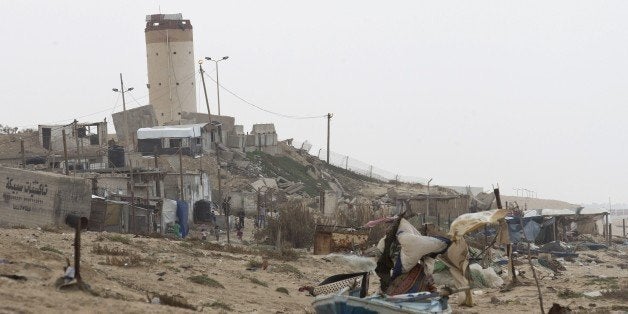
(182, 216)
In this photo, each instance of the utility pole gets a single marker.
(200, 68)
(219, 179)
(181, 173)
(211, 126)
(128, 143)
(329, 115)
(78, 155)
(158, 180)
(65, 152)
(22, 153)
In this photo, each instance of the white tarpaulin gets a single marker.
(174, 131)
(169, 211)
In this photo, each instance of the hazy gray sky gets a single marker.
(525, 94)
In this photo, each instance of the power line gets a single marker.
(264, 109)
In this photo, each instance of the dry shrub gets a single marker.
(50, 249)
(255, 281)
(206, 281)
(619, 294)
(175, 300)
(285, 254)
(51, 228)
(254, 264)
(295, 222)
(357, 216)
(105, 250)
(229, 248)
(131, 260)
(220, 305)
(287, 268)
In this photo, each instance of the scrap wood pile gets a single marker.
(407, 258)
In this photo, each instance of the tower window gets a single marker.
(177, 83)
(174, 53)
(189, 52)
(156, 53)
(159, 84)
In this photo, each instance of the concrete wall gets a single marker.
(263, 128)
(140, 117)
(32, 198)
(331, 203)
(244, 200)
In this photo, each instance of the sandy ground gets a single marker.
(125, 289)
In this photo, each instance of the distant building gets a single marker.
(192, 139)
(262, 137)
(87, 140)
(171, 66)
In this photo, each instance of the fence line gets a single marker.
(355, 165)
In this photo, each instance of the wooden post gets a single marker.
(65, 153)
(157, 176)
(78, 151)
(438, 219)
(22, 153)
(606, 229)
(180, 174)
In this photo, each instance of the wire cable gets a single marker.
(264, 109)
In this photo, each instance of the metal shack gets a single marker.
(330, 239)
(192, 139)
(34, 198)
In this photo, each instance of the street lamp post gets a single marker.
(217, 78)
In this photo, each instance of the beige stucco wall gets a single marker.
(171, 73)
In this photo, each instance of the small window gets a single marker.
(175, 142)
(174, 53)
(159, 84)
(177, 83)
(189, 52)
(156, 53)
(162, 114)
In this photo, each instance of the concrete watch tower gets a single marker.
(171, 66)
